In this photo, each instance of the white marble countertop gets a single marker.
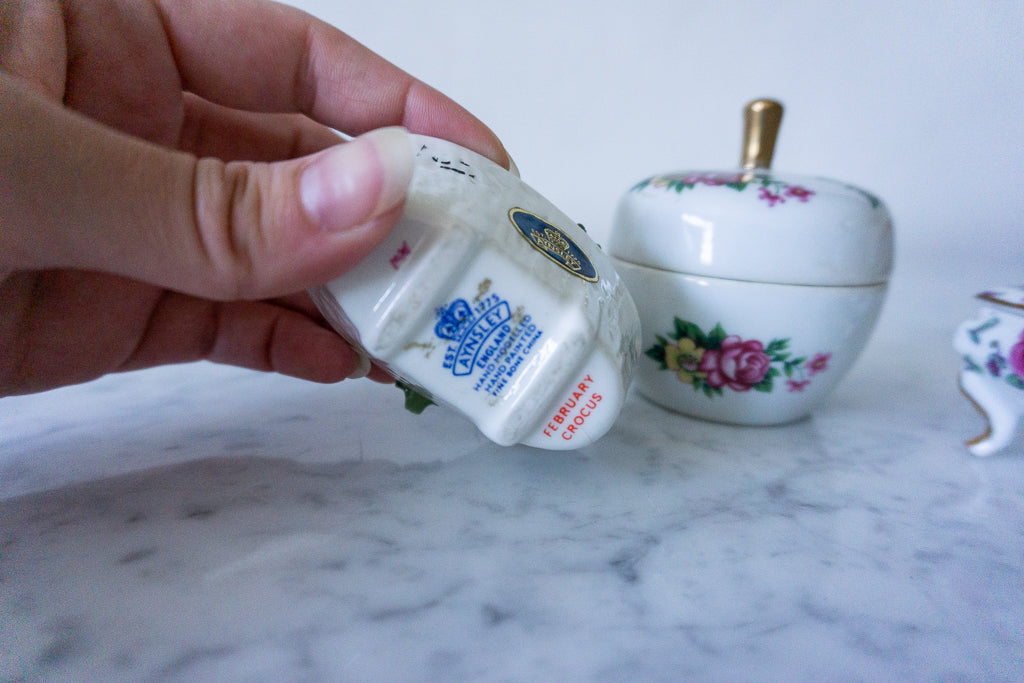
(205, 523)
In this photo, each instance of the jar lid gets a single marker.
(754, 224)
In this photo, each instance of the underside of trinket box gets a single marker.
(489, 300)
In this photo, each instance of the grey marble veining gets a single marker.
(206, 523)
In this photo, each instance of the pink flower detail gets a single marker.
(798, 192)
(818, 364)
(400, 255)
(770, 197)
(1017, 357)
(737, 364)
(797, 385)
(716, 179)
(710, 179)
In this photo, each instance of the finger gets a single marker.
(228, 134)
(67, 326)
(77, 194)
(32, 44)
(119, 70)
(250, 334)
(302, 303)
(261, 56)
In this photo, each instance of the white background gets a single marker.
(919, 102)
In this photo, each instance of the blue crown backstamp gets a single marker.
(487, 340)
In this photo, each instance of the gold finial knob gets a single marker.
(761, 121)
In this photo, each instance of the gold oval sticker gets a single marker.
(553, 243)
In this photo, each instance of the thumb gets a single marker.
(76, 194)
(271, 229)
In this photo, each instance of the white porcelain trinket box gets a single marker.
(991, 345)
(756, 290)
(488, 299)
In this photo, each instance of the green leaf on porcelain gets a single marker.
(415, 401)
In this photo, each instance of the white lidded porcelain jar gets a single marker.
(488, 299)
(756, 290)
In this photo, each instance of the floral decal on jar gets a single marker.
(714, 361)
(769, 190)
(1008, 366)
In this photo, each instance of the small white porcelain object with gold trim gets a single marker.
(756, 290)
(991, 345)
(490, 300)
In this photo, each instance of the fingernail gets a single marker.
(512, 168)
(363, 369)
(351, 183)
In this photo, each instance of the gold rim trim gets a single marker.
(985, 435)
(996, 300)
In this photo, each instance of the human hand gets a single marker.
(170, 183)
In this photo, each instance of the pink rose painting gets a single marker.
(737, 364)
(715, 361)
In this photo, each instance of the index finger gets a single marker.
(263, 56)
